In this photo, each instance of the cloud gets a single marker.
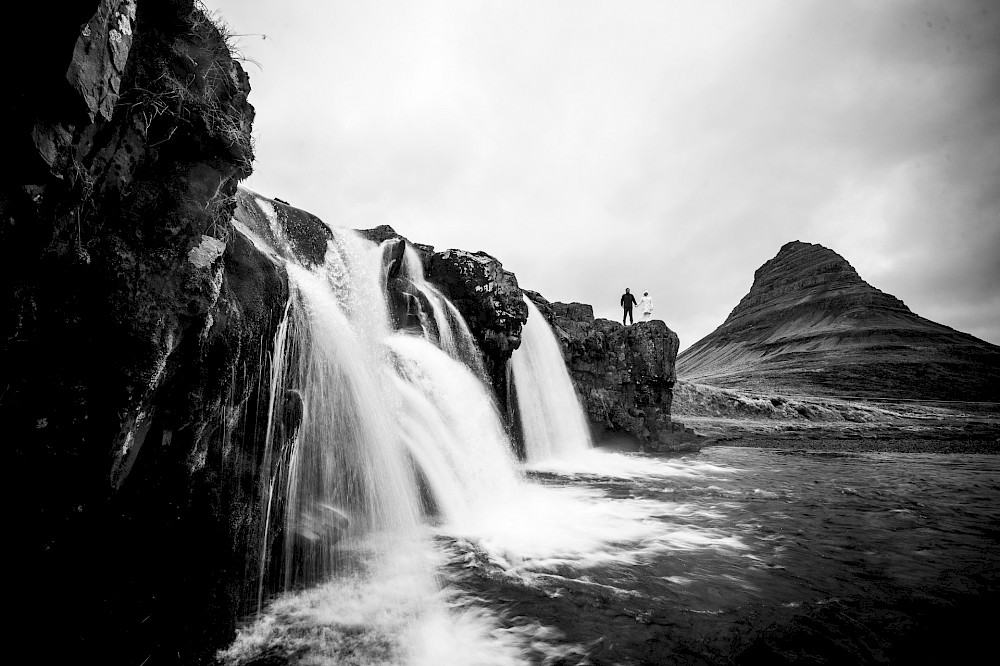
(668, 146)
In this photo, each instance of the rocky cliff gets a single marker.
(811, 326)
(134, 322)
(624, 375)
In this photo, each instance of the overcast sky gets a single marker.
(668, 146)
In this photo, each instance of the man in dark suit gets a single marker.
(628, 300)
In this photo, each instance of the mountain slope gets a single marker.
(811, 326)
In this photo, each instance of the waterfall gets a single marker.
(349, 483)
(369, 428)
(349, 493)
(340, 493)
(440, 320)
(552, 421)
(452, 430)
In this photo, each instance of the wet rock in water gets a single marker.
(291, 413)
(307, 236)
(624, 375)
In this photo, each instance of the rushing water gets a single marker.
(552, 420)
(762, 556)
(731, 555)
(406, 533)
(440, 320)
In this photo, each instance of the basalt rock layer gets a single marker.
(134, 322)
(811, 326)
(624, 375)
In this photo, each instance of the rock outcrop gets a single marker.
(134, 323)
(623, 375)
(811, 326)
(490, 301)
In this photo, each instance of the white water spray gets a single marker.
(349, 484)
(452, 429)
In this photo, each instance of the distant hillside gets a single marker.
(811, 326)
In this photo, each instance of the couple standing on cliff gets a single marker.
(645, 306)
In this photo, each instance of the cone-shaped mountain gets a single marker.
(811, 326)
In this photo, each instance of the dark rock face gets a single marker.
(811, 326)
(490, 301)
(624, 375)
(134, 323)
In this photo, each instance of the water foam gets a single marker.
(390, 615)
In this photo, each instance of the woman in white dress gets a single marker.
(646, 306)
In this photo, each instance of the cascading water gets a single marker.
(359, 417)
(348, 490)
(453, 431)
(443, 323)
(552, 422)
(372, 402)
(348, 481)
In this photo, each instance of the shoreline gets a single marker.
(726, 417)
(822, 444)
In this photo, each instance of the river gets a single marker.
(728, 556)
